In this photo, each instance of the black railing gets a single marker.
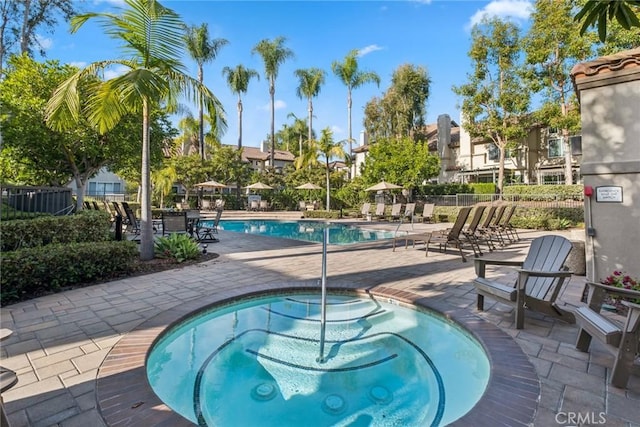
(21, 202)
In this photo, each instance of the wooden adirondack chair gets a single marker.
(621, 340)
(452, 235)
(540, 279)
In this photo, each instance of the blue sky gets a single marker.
(433, 34)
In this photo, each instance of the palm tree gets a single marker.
(238, 80)
(328, 148)
(273, 54)
(299, 128)
(152, 40)
(202, 50)
(352, 78)
(310, 82)
(188, 138)
(163, 180)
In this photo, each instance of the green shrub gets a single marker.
(443, 189)
(320, 214)
(445, 213)
(563, 192)
(178, 246)
(34, 271)
(547, 218)
(483, 188)
(85, 226)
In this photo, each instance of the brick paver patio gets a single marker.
(61, 341)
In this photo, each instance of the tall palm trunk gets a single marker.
(349, 104)
(272, 92)
(239, 144)
(200, 116)
(146, 226)
(310, 121)
(328, 208)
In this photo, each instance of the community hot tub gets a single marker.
(390, 358)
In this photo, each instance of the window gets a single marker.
(493, 153)
(556, 147)
(101, 188)
(576, 145)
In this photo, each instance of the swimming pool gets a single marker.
(255, 362)
(310, 231)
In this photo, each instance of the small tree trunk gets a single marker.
(146, 224)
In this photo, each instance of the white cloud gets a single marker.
(277, 105)
(368, 49)
(423, 1)
(44, 42)
(518, 9)
(337, 130)
(116, 71)
(78, 64)
(119, 3)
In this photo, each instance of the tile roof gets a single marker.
(254, 153)
(617, 61)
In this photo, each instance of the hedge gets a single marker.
(34, 271)
(564, 192)
(85, 226)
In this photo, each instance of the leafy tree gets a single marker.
(553, 46)
(274, 54)
(47, 157)
(238, 80)
(22, 20)
(202, 50)
(619, 39)
(599, 12)
(495, 100)
(226, 165)
(189, 170)
(311, 80)
(402, 109)
(401, 161)
(349, 74)
(152, 37)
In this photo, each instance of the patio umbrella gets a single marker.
(259, 186)
(383, 185)
(308, 186)
(211, 184)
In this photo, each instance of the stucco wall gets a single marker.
(610, 110)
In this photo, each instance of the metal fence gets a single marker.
(529, 200)
(26, 202)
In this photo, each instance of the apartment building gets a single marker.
(260, 158)
(538, 159)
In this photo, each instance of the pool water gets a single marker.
(310, 231)
(256, 363)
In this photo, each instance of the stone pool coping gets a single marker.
(125, 397)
